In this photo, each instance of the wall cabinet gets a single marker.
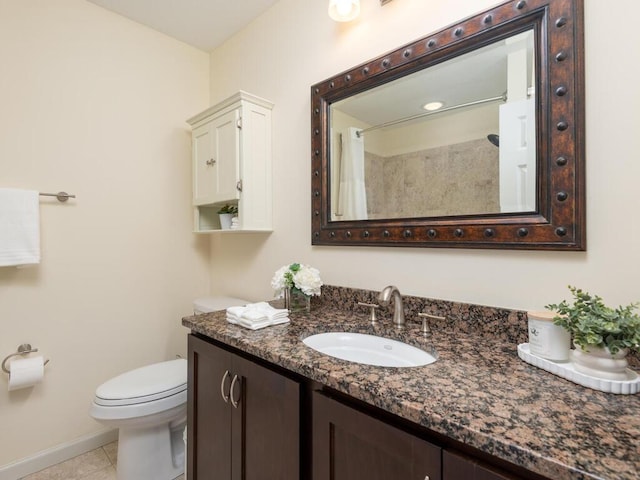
(243, 418)
(350, 445)
(231, 163)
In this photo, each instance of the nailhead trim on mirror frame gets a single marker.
(560, 220)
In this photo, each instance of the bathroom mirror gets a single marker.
(472, 136)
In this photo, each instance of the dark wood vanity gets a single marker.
(273, 424)
(262, 405)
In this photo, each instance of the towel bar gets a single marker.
(61, 196)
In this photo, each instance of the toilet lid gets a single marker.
(144, 384)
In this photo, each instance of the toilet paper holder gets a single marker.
(23, 349)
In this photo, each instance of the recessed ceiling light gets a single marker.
(431, 106)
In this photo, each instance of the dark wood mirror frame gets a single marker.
(559, 220)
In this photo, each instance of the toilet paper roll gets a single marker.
(25, 372)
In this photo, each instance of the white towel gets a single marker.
(19, 227)
(257, 315)
(257, 325)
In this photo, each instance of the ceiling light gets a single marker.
(344, 10)
(432, 106)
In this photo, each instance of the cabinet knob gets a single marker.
(225, 397)
(211, 162)
(239, 185)
(231, 391)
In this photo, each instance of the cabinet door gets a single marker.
(227, 155)
(216, 160)
(203, 171)
(255, 433)
(458, 467)
(208, 415)
(350, 445)
(266, 430)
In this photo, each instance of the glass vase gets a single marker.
(296, 301)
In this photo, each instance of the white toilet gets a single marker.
(149, 407)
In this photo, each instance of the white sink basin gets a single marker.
(369, 349)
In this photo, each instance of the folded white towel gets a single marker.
(235, 312)
(19, 227)
(254, 316)
(257, 315)
(258, 325)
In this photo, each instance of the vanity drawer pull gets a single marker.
(231, 390)
(225, 397)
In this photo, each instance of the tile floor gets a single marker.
(98, 464)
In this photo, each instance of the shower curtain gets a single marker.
(352, 195)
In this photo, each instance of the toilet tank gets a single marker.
(212, 304)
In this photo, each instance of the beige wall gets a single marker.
(95, 105)
(295, 45)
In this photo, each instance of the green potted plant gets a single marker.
(602, 335)
(226, 213)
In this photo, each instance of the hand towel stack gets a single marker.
(257, 315)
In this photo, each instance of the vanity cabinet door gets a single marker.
(458, 467)
(208, 415)
(243, 418)
(266, 431)
(351, 445)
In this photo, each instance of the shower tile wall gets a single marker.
(412, 185)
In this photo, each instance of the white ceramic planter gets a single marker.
(599, 362)
(225, 220)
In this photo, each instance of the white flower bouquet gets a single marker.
(297, 277)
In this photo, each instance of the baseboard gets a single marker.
(57, 454)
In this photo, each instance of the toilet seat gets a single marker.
(146, 384)
(158, 389)
(120, 402)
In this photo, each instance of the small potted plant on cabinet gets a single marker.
(226, 213)
(602, 335)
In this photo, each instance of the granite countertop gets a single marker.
(478, 392)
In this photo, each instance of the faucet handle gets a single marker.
(426, 330)
(372, 314)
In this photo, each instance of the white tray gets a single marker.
(567, 370)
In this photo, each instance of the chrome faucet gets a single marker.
(398, 310)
